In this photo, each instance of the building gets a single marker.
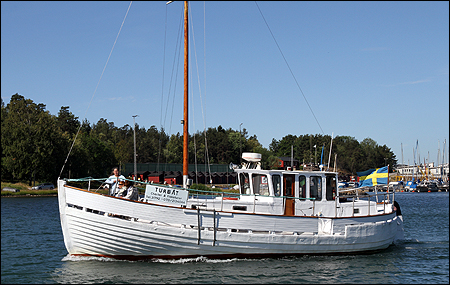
(423, 172)
(286, 162)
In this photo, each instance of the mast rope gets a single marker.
(162, 91)
(96, 87)
(292, 73)
(172, 80)
(200, 90)
(163, 121)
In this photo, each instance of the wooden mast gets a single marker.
(185, 119)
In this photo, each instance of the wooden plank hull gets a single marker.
(99, 225)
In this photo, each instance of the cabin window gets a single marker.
(260, 184)
(316, 187)
(302, 186)
(276, 183)
(288, 185)
(244, 183)
(331, 187)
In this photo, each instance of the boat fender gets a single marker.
(397, 208)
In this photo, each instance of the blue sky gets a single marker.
(376, 70)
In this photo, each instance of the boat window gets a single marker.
(260, 185)
(276, 184)
(302, 186)
(316, 187)
(244, 183)
(331, 187)
(289, 185)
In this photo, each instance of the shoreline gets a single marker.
(28, 195)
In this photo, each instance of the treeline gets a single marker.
(35, 144)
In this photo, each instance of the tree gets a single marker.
(174, 150)
(29, 140)
(349, 153)
(274, 146)
(284, 146)
(67, 122)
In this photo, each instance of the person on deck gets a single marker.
(127, 191)
(113, 181)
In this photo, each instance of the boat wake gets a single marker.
(200, 259)
(87, 258)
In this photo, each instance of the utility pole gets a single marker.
(134, 136)
(240, 148)
(315, 155)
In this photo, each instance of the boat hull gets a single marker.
(427, 188)
(101, 225)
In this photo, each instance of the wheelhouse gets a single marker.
(320, 186)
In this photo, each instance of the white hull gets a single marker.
(147, 230)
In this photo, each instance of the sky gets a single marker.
(377, 70)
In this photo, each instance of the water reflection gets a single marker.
(380, 267)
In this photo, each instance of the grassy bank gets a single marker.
(25, 190)
(28, 193)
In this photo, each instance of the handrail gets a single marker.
(223, 194)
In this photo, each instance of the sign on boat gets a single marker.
(164, 194)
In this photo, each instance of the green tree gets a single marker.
(349, 154)
(274, 146)
(173, 153)
(29, 140)
(67, 122)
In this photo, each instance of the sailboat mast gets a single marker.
(185, 119)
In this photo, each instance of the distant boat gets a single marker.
(411, 186)
(443, 186)
(427, 186)
(274, 213)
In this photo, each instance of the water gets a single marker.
(33, 252)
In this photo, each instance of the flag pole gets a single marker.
(329, 155)
(388, 178)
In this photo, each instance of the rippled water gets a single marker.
(33, 252)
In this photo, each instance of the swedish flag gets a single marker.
(373, 177)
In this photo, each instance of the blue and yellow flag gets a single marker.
(373, 177)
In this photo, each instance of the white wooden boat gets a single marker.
(275, 213)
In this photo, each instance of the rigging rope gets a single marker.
(200, 90)
(98, 83)
(177, 50)
(162, 91)
(298, 85)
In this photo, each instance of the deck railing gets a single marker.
(89, 182)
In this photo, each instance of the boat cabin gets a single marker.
(291, 189)
(304, 185)
(281, 192)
